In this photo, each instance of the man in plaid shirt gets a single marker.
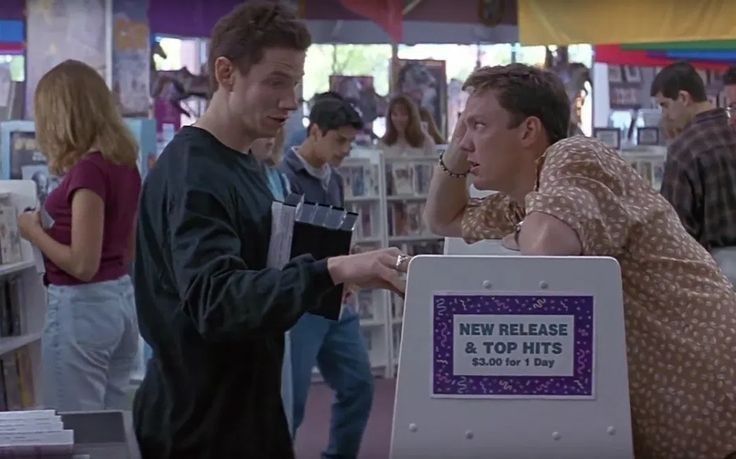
(700, 171)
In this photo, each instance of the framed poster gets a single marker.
(648, 135)
(21, 158)
(609, 136)
(513, 346)
(360, 92)
(425, 82)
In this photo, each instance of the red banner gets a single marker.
(12, 48)
(386, 13)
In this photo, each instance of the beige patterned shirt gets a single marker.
(680, 310)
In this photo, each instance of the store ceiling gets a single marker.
(426, 21)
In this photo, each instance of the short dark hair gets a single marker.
(328, 95)
(526, 91)
(729, 78)
(330, 114)
(680, 76)
(248, 29)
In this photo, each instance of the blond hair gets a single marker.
(75, 113)
(277, 149)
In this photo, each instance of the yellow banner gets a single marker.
(564, 22)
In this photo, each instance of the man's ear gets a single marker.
(314, 132)
(225, 73)
(684, 97)
(532, 129)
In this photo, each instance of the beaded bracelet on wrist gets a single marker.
(448, 171)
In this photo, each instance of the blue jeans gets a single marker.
(89, 346)
(338, 350)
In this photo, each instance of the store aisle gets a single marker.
(313, 433)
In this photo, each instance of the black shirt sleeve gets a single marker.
(223, 298)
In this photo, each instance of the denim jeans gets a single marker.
(339, 352)
(89, 346)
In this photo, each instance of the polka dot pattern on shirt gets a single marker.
(680, 310)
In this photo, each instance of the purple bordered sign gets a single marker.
(513, 346)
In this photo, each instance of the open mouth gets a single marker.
(278, 119)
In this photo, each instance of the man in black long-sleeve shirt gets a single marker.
(213, 314)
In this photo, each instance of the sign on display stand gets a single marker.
(527, 358)
(512, 346)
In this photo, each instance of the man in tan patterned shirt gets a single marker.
(578, 197)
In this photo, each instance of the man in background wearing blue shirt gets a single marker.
(335, 347)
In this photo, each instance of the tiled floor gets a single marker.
(312, 437)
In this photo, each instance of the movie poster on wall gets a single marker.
(58, 30)
(28, 163)
(131, 53)
(360, 92)
(425, 82)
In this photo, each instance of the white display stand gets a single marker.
(437, 416)
(457, 246)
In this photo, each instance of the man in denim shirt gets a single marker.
(335, 347)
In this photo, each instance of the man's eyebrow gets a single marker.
(280, 73)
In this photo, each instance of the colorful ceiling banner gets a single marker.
(620, 55)
(12, 37)
(564, 22)
(707, 45)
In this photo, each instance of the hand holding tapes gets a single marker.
(375, 269)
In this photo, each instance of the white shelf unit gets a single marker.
(648, 161)
(22, 195)
(365, 193)
(407, 186)
(370, 190)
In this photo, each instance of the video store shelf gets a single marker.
(12, 343)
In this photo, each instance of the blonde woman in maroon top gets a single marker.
(90, 339)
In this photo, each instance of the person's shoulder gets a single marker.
(194, 159)
(92, 163)
(585, 156)
(94, 159)
(576, 147)
(189, 140)
(289, 160)
(194, 151)
(108, 165)
(683, 147)
(337, 174)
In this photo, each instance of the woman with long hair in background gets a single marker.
(404, 134)
(90, 340)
